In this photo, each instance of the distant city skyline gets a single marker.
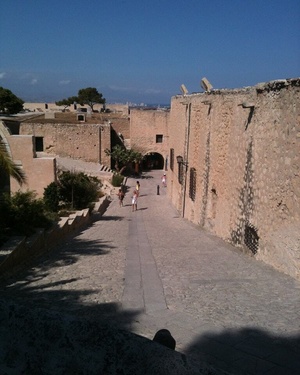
(141, 52)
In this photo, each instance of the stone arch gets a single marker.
(153, 160)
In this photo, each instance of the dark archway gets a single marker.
(153, 160)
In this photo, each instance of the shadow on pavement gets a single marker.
(25, 286)
(146, 177)
(111, 218)
(48, 329)
(248, 351)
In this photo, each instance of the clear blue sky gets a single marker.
(141, 50)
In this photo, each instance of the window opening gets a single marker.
(172, 159)
(39, 144)
(192, 191)
(180, 173)
(159, 138)
(251, 238)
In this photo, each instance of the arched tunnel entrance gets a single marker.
(153, 160)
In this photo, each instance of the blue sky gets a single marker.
(142, 51)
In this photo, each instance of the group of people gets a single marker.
(134, 198)
(136, 193)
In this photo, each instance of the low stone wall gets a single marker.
(19, 249)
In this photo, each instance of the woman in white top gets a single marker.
(134, 201)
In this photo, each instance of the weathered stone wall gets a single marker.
(179, 118)
(39, 172)
(77, 141)
(120, 125)
(144, 126)
(50, 107)
(245, 148)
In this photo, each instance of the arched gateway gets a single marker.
(153, 160)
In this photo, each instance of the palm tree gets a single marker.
(123, 157)
(8, 166)
(136, 157)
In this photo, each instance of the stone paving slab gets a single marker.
(150, 269)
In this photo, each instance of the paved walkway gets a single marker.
(151, 269)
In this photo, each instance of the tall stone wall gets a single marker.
(77, 141)
(244, 147)
(145, 125)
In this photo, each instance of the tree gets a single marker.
(8, 166)
(67, 102)
(9, 102)
(74, 190)
(136, 157)
(123, 157)
(90, 96)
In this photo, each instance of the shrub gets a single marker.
(117, 180)
(21, 214)
(51, 196)
(5, 217)
(28, 212)
(72, 191)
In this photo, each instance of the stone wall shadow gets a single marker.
(25, 285)
(248, 351)
(48, 329)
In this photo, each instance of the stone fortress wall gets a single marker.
(242, 181)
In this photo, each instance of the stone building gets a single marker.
(35, 141)
(235, 167)
(75, 140)
(149, 135)
(40, 170)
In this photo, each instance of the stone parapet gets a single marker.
(20, 250)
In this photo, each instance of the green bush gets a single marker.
(117, 180)
(51, 196)
(5, 217)
(21, 214)
(72, 191)
(29, 212)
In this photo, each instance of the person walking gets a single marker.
(164, 180)
(121, 197)
(137, 188)
(134, 201)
